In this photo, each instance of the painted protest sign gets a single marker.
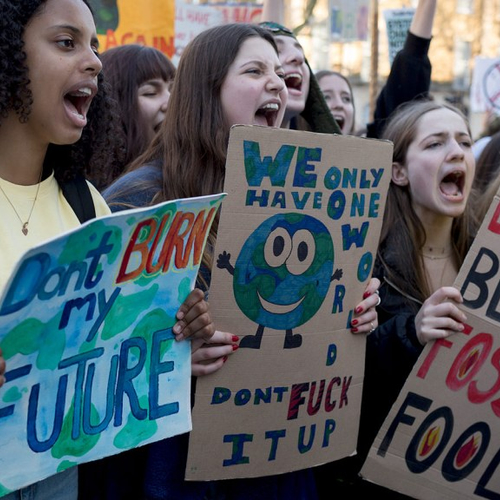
(397, 22)
(485, 87)
(295, 247)
(121, 22)
(441, 437)
(86, 330)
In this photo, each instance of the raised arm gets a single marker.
(410, 75)
(423, 19)
(273, 10)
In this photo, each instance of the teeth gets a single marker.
(83, 92)
(272, 106)
(294, 75)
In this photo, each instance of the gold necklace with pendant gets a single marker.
(24, 227)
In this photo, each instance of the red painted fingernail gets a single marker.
(366, 294)
(224, 359)
(354, 330)
(358, 310)
(354, 322)
(235, 338)
(235, 347)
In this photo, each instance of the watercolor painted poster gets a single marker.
(441, 439)
(86, 330)
(296, 244)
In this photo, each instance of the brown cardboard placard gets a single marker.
(296, 244)
(441, 439)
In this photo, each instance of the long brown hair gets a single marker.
(402, 228)
(191, 145)
(326, 72)
(125, 69)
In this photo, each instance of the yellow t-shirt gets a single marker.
(52, 215)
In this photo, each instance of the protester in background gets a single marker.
(139, 78)
(307, 108)
(338, 95)
(410, 75)
(409, 78)
(227, 75)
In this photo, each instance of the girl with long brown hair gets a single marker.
(227, 75)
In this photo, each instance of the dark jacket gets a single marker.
(391, 352)
(410, 78)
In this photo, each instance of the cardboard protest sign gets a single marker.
(397, 22)
(86, 330)
(441, 437)
(296, 243)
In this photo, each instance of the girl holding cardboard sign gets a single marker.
(227, 75)
(55, 125)
(426, 233)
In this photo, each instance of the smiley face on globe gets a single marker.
(283, 272)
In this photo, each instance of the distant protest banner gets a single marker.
(296, 244)
(485, 87)
(397, 22)
(441, 437)
(192, 19)
(348, 20)
(122, 22)
(86, 330)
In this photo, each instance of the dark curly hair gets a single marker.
(98, 149)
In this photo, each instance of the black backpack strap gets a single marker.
(77, 193)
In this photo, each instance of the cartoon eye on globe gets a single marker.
(282, 275)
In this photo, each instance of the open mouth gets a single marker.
(78, 101)
(340, 121)
(453, 184)
(294, 81)
(269, 112)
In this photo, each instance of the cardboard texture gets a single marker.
(86, 331)
(441, 439)
(296, 245)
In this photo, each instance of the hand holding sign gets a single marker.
(438, 317)
(193, 318)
